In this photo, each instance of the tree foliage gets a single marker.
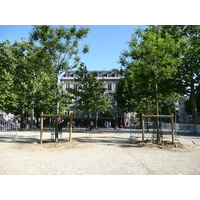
(7, 97)
(90, 92)
(30, 77)
(151, 60)
(189, 70)
(30, 69)
(62, 46)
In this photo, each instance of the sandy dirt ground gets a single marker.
(95, 153)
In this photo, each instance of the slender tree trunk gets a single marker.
(96, 120)
(157, 110)
(57, 109)
(147, 112)
(157, 113)
(23, 119)
(32, 115)
(32, 103)
(37, 121)
(194, 108)
(87, 124)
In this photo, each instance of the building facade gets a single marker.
(109, 78)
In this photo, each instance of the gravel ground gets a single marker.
(94, 153)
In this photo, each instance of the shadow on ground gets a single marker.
(111, 141)
(104, 140)
(17, 139)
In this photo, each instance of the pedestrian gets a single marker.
(60, 124)
(115, 126)
(105, 124)
(73, 124)
(109, 124)
(91, 125)
(121, 124)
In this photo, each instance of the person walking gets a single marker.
(60, 124)
(105, 124)
(109, 124)
(73, 124)
(91, 125)
(121, 124)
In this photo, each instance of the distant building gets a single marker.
(109, 78)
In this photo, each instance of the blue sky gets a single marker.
(106, 43)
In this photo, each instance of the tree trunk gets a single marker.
(32, 115)
(96, 120)
(147, 120)
(37, 118)
(157, 110)
(57, 109)
(157, 113)
(23, 119)
(87, 124)
(194, 108)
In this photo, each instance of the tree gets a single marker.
(7, 97)
(135, 95)
(188, 107)
(90, 93)
(151, 67)
(189, 70)
(27, 79)
(62, 46)
(35, 76)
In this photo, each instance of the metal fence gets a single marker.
(187, 128)
(150, 131)
(9, 128)
(165, 130)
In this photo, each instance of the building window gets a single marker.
(75, 86)
(67, 86)
(104, 75)
(109, 86)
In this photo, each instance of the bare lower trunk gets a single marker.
(88, 117)
(159, 137)
(157, 112)
(96, 120)
(32, 115)
(23, 119)
(194, 108)
(57, 110)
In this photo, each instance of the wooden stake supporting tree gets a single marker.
(55, 116)
(158, 116)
